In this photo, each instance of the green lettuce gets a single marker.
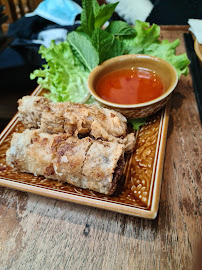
(166, 50)
(64, 75)
(146, 41)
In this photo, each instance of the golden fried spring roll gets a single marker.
(78, 119)
(30, 110)
(85, 163)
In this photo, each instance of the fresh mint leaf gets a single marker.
(96, 7)
(94, 16)
(87, 17)
(83, 49)
(117, 48)
(120, 28)
(137, 122)
(104, 14)
(102, 42)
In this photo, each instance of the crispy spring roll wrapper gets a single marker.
(77, 119)
(30, 110)
(85, 163)
(70, 118)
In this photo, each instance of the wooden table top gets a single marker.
(42, 233)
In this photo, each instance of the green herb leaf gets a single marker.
(102, 42)
(94, 16)
(120, 28)
(104, 14)
(83, 49)
(117, 48)
(137, 122)
(87, 16)
(96, 7)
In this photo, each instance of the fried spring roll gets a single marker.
(85, 163)
(71, 117)
(30, 109)
(76, 119)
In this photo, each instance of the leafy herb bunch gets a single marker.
(92, 44)
(118, 38)
(70, 62)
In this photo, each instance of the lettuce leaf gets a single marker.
(145, 36)
(146, 41)
(167, 51)
(64, 75)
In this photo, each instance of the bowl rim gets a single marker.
(122, 58)
(197, 50)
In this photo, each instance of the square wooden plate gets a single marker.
(138, 196)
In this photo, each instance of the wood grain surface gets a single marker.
(43, 233)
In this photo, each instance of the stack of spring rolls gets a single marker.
(82, 145)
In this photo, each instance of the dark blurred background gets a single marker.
(19, 56)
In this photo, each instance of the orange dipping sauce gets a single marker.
(130, 86)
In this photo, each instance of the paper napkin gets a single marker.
(196, 29)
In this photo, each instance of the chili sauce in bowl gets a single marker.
(136, 85)
(130, 86)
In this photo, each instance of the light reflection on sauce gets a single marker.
(130, 86)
